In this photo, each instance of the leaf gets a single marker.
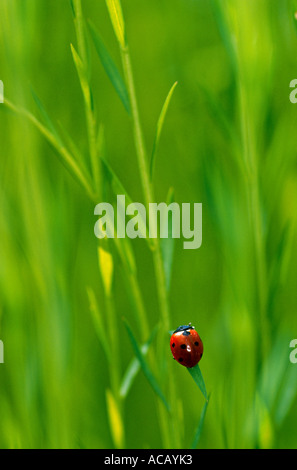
(167, 245)
(82, 75)
(287, 394)
(220, 16)
(98, 322)
(114, 181)
(198, 378)
(82, 39)
(72, 8)
(200, 425)
(145, 368)
(110, 68)
(106, 269)
(100, 143)
(117, 19)
(119, 189)
(115, 420)
(220, 117)
(134, 367)
(126, 254)
(74, 150)
(160, 127)
(46, 119)
(65, 156)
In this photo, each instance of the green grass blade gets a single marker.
(287, 394)
(82, 39)
(115, 183)
(72, 8)
(117, 19)
(126, 254)
(97, 318)
(196, 373)
(65, 156)
(45, 117)
(219, 116)
(83, 78)
(110, 68)
(134, 367)
(119, 189)
(167, 245)
(144, 366)
(106, 267)
(71, 145)
(100, 142)
(115, 420)
(160, 127)
(219, 14)
(200, 426)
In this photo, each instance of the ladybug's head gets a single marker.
(184, 328)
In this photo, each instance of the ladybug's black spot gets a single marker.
(201, 355)
(186, 333)
(196, 343)
(183, 346)
(180, 359)
(173, 345)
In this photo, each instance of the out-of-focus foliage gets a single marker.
(228, 141)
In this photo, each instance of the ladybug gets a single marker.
(186, 345)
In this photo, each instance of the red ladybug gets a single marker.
(186, 345)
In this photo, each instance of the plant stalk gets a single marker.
(169, 438)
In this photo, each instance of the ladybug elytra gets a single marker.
(186, 346)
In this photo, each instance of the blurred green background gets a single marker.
(229, 141)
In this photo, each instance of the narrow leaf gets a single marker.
(200, 425)
(82, 38)
(74, 150)
(167, 245)
(126, 254)
(117, 186)
(220, 116)
(100, 142)
(145, 368)
(117, 19)
(45, 117)
(119, 189)
(123, 245)
(134, 367)
(198, 378)
(98, 321)
(72, 8)
(220, 16)
(160, 127)
(82, 75)
(65, 156)
(115, 420)
(106, 269)
(287, 394)
(110, 68)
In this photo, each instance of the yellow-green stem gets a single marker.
(148, 192)
(89, 111)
